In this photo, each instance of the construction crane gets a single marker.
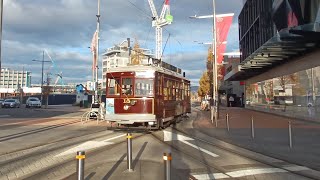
(59, 75)
(158, 22)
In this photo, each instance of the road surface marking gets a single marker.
(250, 172)
(170, 136)
(114, 138)
(89, 145)
(3, 116)
(296, 168)
(210, 176)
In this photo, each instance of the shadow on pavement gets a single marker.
(113, 169)
(90, 176)
(139, 155)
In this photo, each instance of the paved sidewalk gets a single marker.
(271, 134)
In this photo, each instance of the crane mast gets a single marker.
(158, 22)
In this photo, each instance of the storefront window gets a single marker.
(295, 95)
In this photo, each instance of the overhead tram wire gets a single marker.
(165, 45)
(141, 10)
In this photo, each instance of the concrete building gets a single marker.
(280, 52)
(118, 56)
(14, 79)
(231, 87)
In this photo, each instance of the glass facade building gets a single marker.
(280, 57)
(293, 95)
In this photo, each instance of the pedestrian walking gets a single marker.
(231, 101)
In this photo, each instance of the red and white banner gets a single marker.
(223, 24)
(93, 48)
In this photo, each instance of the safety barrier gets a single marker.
(167, 165)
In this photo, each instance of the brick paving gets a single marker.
(271, 134)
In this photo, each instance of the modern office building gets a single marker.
(14, 79)
(280, 57)
(11, 81)
(118, 56)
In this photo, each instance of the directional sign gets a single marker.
(170, 136)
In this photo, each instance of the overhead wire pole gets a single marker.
(215, 70)
(97, 57)
(1, 18)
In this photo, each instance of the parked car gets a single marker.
(1, 101)
(33, 102)
(11, 103)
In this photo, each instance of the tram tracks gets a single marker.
(70, 162)
(33, 131)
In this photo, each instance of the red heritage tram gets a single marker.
(146, 96)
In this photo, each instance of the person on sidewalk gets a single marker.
(231, 101)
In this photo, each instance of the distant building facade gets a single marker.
(13, 82)
(280, 52)
(118, 56)
(14, 79)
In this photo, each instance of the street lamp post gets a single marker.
(215, 70)
(42, 65)
(1, 18)
(215, 103)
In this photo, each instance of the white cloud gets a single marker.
(65, 28)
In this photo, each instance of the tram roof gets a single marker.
(134, 68)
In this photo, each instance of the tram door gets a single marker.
(159, 94)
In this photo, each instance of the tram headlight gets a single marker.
(133, 102)
(126, 107)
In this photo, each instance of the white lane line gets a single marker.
(296, 168)
(210, 176)
(170, 136)
(201, 149)
(116, 137)
(250, 172)
(3, 116)
(89, 145)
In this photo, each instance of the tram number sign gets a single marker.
(126, 100)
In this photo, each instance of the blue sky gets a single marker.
(65, 29)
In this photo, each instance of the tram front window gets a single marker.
(144, 87)
(113, 86)
(127, 86)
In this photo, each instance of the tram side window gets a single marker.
(144, 87)
(165, 89)
(182, 90)
(113, 86)
(169, 86)
(127, 86)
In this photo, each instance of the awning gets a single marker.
(282, 48)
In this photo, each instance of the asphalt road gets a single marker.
(51, 111)
(46, 150)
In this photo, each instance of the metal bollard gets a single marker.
(129, 152)
(167, 165)
(212, 112)
(290, 135)
(80, 164)
(216, 117)
(227, 121)
(252, 128)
